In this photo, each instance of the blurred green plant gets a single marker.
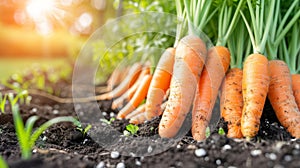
(24, 133)
(3, 164)
(2, 102)
(136, 46)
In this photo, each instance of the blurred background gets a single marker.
(47, 31)
(51, 33)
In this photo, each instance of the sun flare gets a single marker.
(38, 9)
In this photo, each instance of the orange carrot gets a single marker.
(282, 99)
(160, 84)
(127, 82)
(139, 115)
(255, 85)
(231, 102)
(190, 57)
(210, 81)
(117, 103)
(140, 109)
(114, 79)
(296, 88)
(137, 98)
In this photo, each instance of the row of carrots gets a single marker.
(192, 75)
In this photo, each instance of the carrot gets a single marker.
(140, 109)
(117, 103)
(255, 86)
(231, 102)
(210, 80)
(282, 99)
(138, 116)
(296, 88)
(137, 98)
(160, 84)
(190, 57)
(127, 82)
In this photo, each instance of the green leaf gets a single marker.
(133, 129)
(221, 131)
(3, 164)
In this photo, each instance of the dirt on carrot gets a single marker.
(255, 85)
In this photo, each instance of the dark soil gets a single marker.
(63, 145)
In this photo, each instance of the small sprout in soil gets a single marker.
(151, 128)
(24, 133)
(2, 102)
(207, 132)
(83, 130)
(3, 164)
(133, 129)
(108, 121)
(221, 131)
(21, 97)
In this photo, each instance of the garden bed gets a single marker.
(63, 145)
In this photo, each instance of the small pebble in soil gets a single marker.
(295, 152)
(226, 147)
(218, 161)
(138, 163)
(178, 146)
(104, 113)
(111, 114)
(256, 152)
(34, 110)
(55, 111)
(271, 156)
(120, 165)
(200, 152)
(100, 165)
(114, 154)
(149, 150)
(287, 158)
(132, 154)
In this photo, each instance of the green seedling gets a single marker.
(207, 132)
(108, 121)
(2, 102)
(22, 96)
(221, 131)
(84, 130)
(133, 129)
(24, 133)
(3, 164)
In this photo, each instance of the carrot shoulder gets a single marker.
(190, 57)
(231, 102)
(210, 81)
(137, 98)
(255, 85)
(282, 99)
(296, 88)
(159, 84)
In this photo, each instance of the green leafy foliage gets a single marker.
(108, 121)
(221, 131)
(133, 129)
(26, 136)
(82, 129)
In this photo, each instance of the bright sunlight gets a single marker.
(42, 12)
